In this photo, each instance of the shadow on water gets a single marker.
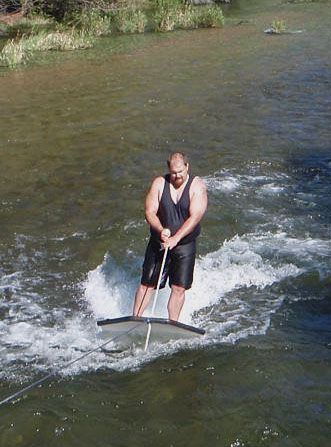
(301, 105)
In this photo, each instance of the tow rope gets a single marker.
(54, 373)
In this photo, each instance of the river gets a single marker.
(81, 136)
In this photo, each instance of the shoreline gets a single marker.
(25, 36)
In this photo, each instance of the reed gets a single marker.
(185, 16)
(16, 52)
(62, 41)
(130, 21)
(92, 22)
(80, 29)
(209, 16)
(165, 14)
(13, 54)
(278, 26)
(165, 20)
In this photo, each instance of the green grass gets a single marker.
(165, 19)
(19, 51)
(184, 16)
(200, 17)
(278, 26)
(61, 41)
(14, 53)
(79, 31)
(209, 17)
(130, 21)
(126, 20)
(92, 22)
(30, 25)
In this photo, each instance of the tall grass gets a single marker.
(126, 20)
(175, 15)
(30, 25)
(209, 16)
(278, 26)
(61, 41)
(16, 52)
(165, 19)
(80, 29)
(165, 14)
(92, 22)
(130, 21)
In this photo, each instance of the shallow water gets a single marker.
(82, 135)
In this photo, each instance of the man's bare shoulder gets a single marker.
(157, 182)
(198, 185)
(157, 185)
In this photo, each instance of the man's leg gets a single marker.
(176, 302)
(181, 276)
(142, 298)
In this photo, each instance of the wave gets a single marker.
(230, 297)
(236, 288)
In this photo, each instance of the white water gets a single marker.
(231, 297)
(240, 263)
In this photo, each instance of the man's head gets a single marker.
(178, 168)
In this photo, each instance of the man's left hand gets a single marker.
(171, 242)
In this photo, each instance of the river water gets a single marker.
(82, 135)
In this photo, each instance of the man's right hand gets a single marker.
(165, 234)
(171, 242)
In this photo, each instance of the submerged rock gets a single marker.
(275, 31)
(271, 31)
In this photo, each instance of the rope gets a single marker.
(159, 280)
(48, 376)
(155, 297)
(142, 301)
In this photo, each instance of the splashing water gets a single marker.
(234, 294)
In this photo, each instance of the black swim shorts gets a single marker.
(179, 265)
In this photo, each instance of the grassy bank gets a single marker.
(78, 30)
(18, 51)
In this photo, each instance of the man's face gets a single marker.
(178, 172)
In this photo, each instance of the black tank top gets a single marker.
(173, 215)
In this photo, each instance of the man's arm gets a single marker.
(152, 204)
(198, 206)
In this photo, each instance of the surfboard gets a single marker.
(129, 331)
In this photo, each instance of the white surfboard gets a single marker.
(128, 331)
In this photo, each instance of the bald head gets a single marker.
(178, 168)
(180, 157)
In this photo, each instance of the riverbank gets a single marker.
(28, 35)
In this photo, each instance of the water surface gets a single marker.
(82, 135)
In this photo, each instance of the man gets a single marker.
(174, 206)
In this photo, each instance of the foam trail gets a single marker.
(237, 264)
(108, 291)
(223, 182)
(253, 260)
(231, 298)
